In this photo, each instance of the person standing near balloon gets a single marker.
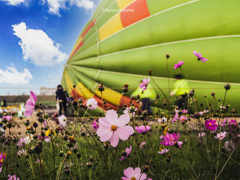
(146, 93)
(61, 98)
(181, 91)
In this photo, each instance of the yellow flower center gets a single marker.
(172, 139)
(133, 178)
(210, 124)
(1, 160)
(113, 127)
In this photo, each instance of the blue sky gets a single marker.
(36, 38)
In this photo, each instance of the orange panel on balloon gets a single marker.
(77, 48)
(134, 12)
(88, 28)
(128, 102)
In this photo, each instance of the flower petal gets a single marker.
(104, 133)
(123, 120)
(104, 122)
(114, 139)
(137, 172)
(128, 172)
(112, 117)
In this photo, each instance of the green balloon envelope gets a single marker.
(126, 38)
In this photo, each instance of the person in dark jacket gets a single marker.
(61, 98)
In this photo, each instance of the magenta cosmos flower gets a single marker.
(199, 56)
(210, 125)
(112, 128)
(233, 123)
(92, 103)
(30, 105)
(171, 139)
(134, 174)
(2, 158)
(95, 125)
(128, 152)
(178, 65)
(144, 84)
(142, 129)
(62, 120)
(8, 118)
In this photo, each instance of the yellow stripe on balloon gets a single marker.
(123, 3)
(110, 27)
(110, 96)
(83, 91)
(68, 82)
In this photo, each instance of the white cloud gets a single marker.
(56, 5)
(15, 2)
(12, 76)
(37, 46)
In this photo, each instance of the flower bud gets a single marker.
(227, 86)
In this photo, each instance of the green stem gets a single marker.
(189, 163)
(54, 163)
(227, 161)
(59, 173)
(41, 166)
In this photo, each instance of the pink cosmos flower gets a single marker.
(221, 135)
(178, 65)
(30, 105)
(163, 151)
(225, 121)
(229, 145)
(92, 103)
(2, 158)
(128, 152)
(95, 125)
(21, 142)
(142, 129)
(62, 120)
(171, 139)
(142, 145)
(210, 125)
(175, 118)
(199, 56)
(112, 128)
(144, 84)
(184, 111)
(183, 118)
(134, 174)
(13, 177)
(127, 110)
(21, 152)
(201, 134)
(8, 118)
(46, 138)
(44, 124)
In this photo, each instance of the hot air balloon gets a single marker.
(126, 38)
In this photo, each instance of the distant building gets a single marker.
(47, 91)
